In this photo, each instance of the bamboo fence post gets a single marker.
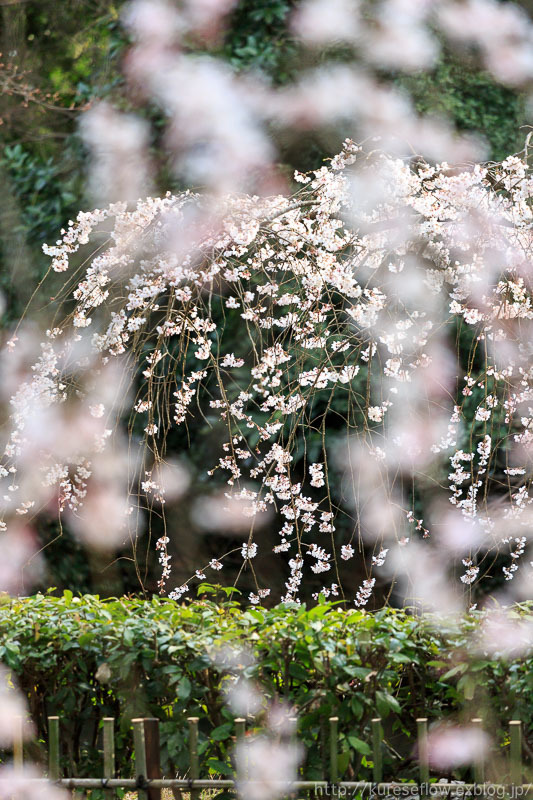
(240, 736)
(147, 759)
(53, 748)
(18, 750)
(377, 737)
(109, 751)
(194, 773)
(515, 733)
(240, 728)
(479, 765)
(293, 722)
(323, 745)
(140, 756)
(153, 755)
(423, 751)
(333, 750)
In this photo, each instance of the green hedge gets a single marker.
(84, 658)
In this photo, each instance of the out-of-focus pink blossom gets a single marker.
(217, 139)
(271, 768)
(102, 522)
(453, 533)
(153, 21)
(319, 22)
(452, 746)
(505, 635)
(503, 32)
(230, 513)
(169, 481)
(17, 785)
(21, 566)
(118, 144)
(13, 713)
(422, 580)
(242, 697)
(400, 43)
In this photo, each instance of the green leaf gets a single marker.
(256, 614)
(385, 703)
(401, 658)
(359, 745)
(184, 688)
(206, 588)
(356, 707)
(467, 685)
(298, 671)
(222, 732)
(128, 637)
(217, 767)
(454, 671)
(230, 590)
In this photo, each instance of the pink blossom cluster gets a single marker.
(326, 291)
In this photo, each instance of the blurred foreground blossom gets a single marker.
(102, 522)
(17, 785)
(451, 746)
(242, 697)
(167, 481)
(162, 23)
(214, 135)
(318, 22)
(503, 32)
(505, 635)
(232, 659)
(21, 565)
(118, 144)
(401, 38)
(455, 534)
(226, 513)
(153, 21)
(13, 713)
(423, 580)
(267, 764)
(271, 765)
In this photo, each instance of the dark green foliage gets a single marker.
(457, 89)
(64, 60)
(43, 194)
(47, 192)
(75, 51)
(258, 38)
(159, 659)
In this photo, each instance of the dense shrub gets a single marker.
(86, 658)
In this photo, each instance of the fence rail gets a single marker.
(148, 781)
(368, 788)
